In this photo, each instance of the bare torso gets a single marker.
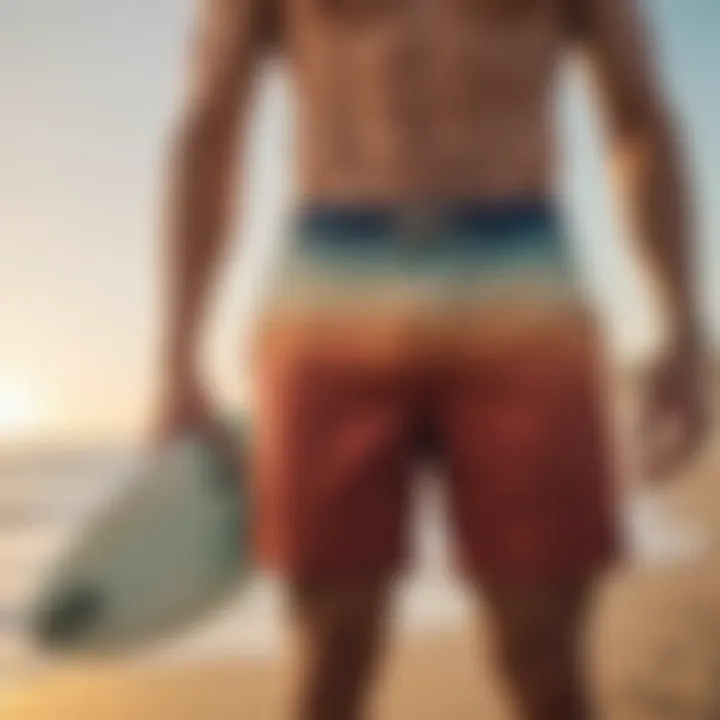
(406, 100)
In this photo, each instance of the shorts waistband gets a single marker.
(479, 225)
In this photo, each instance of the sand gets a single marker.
(653, 649)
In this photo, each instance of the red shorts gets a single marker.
(371, 362)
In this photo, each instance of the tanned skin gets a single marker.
(404, 101)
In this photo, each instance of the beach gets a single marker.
(653, 641)
(654, 650)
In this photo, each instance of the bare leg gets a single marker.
(537, 631)
(341, 630)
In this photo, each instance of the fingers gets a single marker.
(184, 409)
(667, 458)
(672, 433)
(674, 418)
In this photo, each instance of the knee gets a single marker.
(340, 633)
(539, 656)
(544, 681)
(339, 628)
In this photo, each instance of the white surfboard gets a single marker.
(158, 557)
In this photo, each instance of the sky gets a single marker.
(89, 89)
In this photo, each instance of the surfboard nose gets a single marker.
(70, 616)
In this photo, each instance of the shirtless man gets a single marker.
(428, 309)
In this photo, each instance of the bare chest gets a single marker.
(430, 20)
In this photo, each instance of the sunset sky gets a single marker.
(89, 88)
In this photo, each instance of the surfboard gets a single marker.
(159, 556)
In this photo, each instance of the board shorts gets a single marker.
(457, 337)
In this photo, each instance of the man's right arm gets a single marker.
(226, 47)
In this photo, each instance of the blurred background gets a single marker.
(89, 92)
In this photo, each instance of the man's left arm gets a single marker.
(650, 168)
